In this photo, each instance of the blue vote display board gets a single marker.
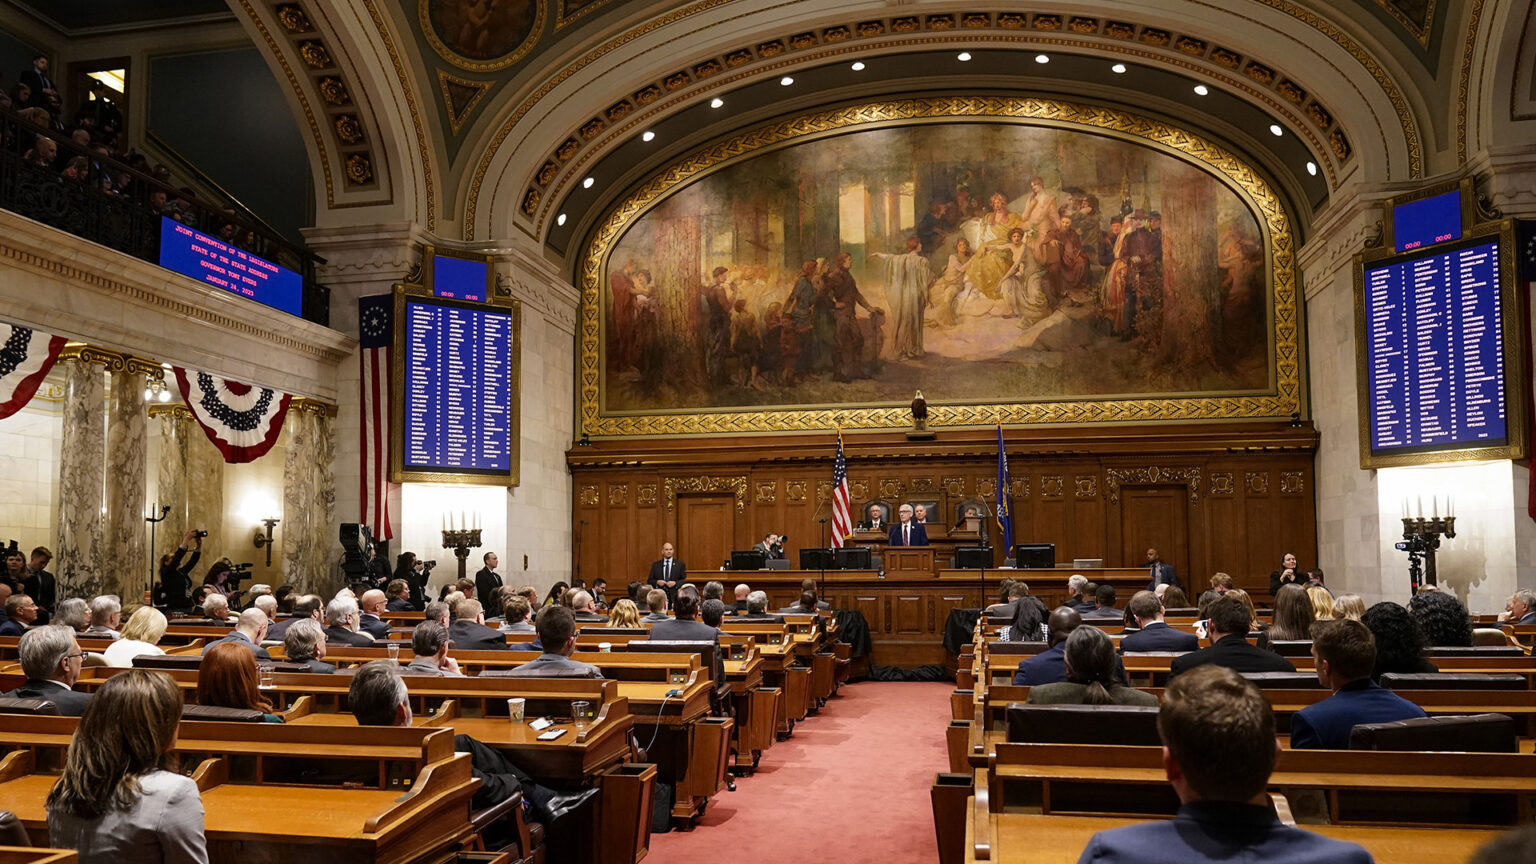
(213, 262)
(459, 278)
(1434, 341)
(457, 387)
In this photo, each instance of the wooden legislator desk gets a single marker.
(907, 612)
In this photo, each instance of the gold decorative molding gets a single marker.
(954, 487)
(429, 32)
(1087, 486)
(645, 494)
(1256, 482)
(1464, 80)
(1221, 484)
(1051, 485)
(618, 494)
(794, 490)
(313, 406)
(150, 369)
(1291, 482)
(767, 491)
(923, 486)
(858, 490)
(1114, 478)
(892, 488)
(587, 495)
(173, 409)
(1420, 30)
(423, 148)
(111, 361)
(673, 486)
(1018, 487)
(1262, 199)
(459, 111)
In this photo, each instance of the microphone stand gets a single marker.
(165, 510)
(822, 558)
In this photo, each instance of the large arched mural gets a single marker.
(1013, 269)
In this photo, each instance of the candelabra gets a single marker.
(461, 540)
(1421, 537)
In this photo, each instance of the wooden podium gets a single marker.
(909, 560)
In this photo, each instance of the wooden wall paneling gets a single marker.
(1225, 536)
(706, 528)
(1089, 534)
(1156, 516)
(616, 536)
(908, 615)
(589, 553)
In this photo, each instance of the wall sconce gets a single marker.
(264, 538)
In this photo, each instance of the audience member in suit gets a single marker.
(810, 585)
(637, 592)
(1075, 585)
(656, 601)
(685, 627)
(1221, 583)
(740, 606)
(50, 658)
(874, 518)
(1230, 620)
(106, 616)
(437, 611)
(907, 532)
(668, 572)
(1004, 605)
(1089, 602)
(557, 635)
(72, 613)
(1091, 677)
(397, 596)
(1345, 653)
(119, 799)
(15, 571)
(585, 609)
(20, 613)
(248, 633)
(40, 82)
(1225, 813)
(712, 613)
(1155, 634)
(368, 621)
(757, 609)
(514, 614)
(309, 606)
(487, 580)
(807, 605)
(1104, 604)
(1399, 641)
(1050, 665)
(40, 585)
(341, 617)
(1520, 608)
(305, 643)
(1288, 573)
(430, 643)
(469, 632)
(1161, 571)
(228, 678)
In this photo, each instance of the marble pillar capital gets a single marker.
(313, 406)
(108, 360)
(174, 410)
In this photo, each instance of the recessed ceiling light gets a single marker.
(964, 56)
(1202, 90)
(1041, 58)
(858, 65)
(786, 81)
(1275, 130)
(1312, 168)
(648, 137)
(716, 102)
(1118, 68)
(587, 183)
(560, 220)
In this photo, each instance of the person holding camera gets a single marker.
(176, 575)
(772, 546)
(414, 572)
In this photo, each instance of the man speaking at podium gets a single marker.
(908, 532)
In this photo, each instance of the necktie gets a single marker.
(906, 539)
(667, 570)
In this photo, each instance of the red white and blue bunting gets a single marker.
(26, 355)
(241, 420)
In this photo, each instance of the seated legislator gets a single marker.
(1075, 585)
(757, 609)
(1091, 663)
(308, 606)
(1027, 621)
(810, 585)
(248, 633)
(656, 601)
(907, 532)
(557, 633)
(874, 519)
(624, 614)
(685, 627)
(373, 603)
(469, 632)
(430, 643)
(119, 799)
(1520, 608)
(1399, 641)
(305, 643)
(341, 623)
(806, 605)
(1155, 634)
(1050, 665)
(1230, 620)
(740, 606)
(141, 636)
(585, 609)
(50, 658)
(1219, 748)
(228, 678)
(73, 613)
(514, 614)
(397, 596)
(20, 612)
(1345, 653)
(106, 616)
(712, 613)
(1104, 604)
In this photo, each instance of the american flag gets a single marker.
(842, 521)
(376, 330)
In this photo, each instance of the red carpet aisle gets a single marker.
(851, 786)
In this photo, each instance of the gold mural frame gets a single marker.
(1157, 134)
(541, 11)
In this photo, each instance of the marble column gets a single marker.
(324, 546)
(82, 471)
(175, 426)
(309, 498)
(127, 570)
(205, 494)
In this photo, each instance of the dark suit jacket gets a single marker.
(36, 82)
(1300, 578)
(43, 590)
(679, 575)
(686, 631)
(400, 604)
(765, 617)
(1158, 636)
(240, 639)
(472, 636)
(1235, 653)
(590, 618)
(1211, 831)
(71, 702)
(320, 667)
(1326, 724)
(919, 534)
(1530, 617)
(373, 625)
(487, 581)
(278, 629)
(348, 637)
(9, 627)
(1161, 572)
(1108, 613)
(1050, 666)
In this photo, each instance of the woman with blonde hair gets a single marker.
(1348, 606)
(624, 614)
(120, 799)
(1253, 611)
(141, 635)
(1322, 602)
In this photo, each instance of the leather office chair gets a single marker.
(1291, 647)
(1474, 651)
(12, 832)
(1082, 724)
(216, 714)
(10, 705)
(1284, 680)
(1489, 637)
(613, 631)
(1019, 648)
(1474, 733)
(168, 661)
(1453, 681)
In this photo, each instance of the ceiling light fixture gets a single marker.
(1118, 68)
(786, 81)
(648, 137)
(1202, 90)
(858, 65)
(1275, 130)
(560, 220)
(964, 56)
(1042, 58)
(587, 183)
(716, 102)
(1312, 168)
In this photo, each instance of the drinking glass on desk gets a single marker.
(582, 713)
(516, 706)
(266, 677)
(394, 652)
